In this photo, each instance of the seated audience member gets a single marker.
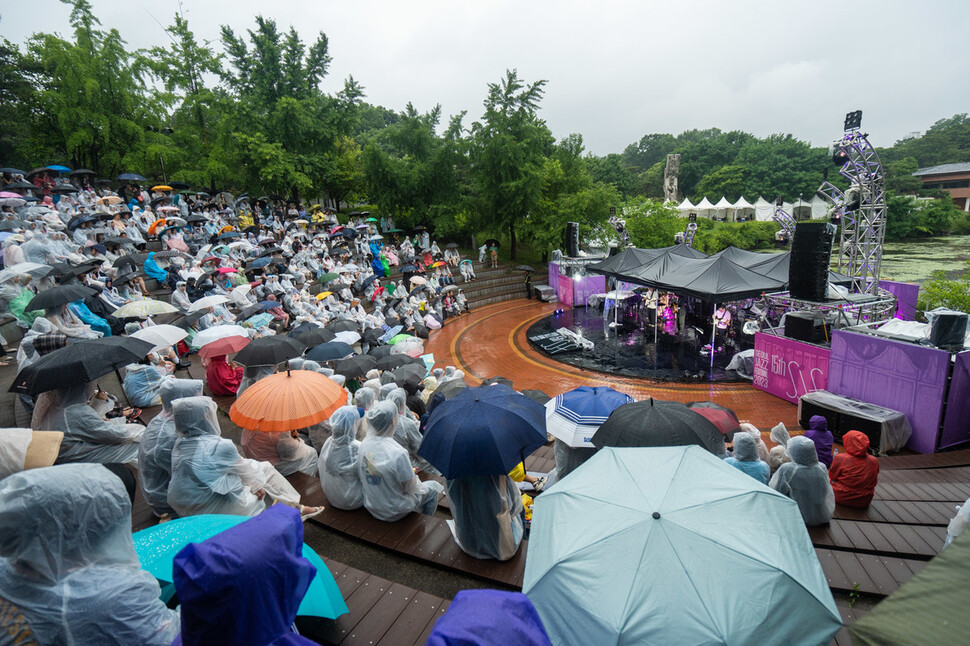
(569, 458)
(506, 617)
(222, 377)
(777, 456)
(286, 451)
(760, 445)
(854, 474)
(806, 481)
(337, 465)
(390, 487)
(68, 565)
(746, 458)
(487, 513)
(820, 435)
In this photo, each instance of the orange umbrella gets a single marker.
(287, 401)
(160, 222)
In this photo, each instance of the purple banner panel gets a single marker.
(585, 286)
(901, 376)
(906, 295)
(553, 274)
(564, 290)
(956, 423)
(787, 368)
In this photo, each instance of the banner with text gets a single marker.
(787, 368)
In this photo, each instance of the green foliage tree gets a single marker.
(651, 223)
(946, 141)
(726, 180)
(611, 170)
(510, 145)
(899, 175)
(941, 291)
(18, 74)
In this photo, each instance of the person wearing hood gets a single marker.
(223, 378)
(391, 490)
(854, 474)
(406, 433)
(252, 374)
(143, 382)
(777, 456)
(806, 481)
(153, 270)
(220, 607)
(157, 442)
(746, 458)
(180, 297)
(337, 465)
(286, 451)
(68, 569)
(488, 516)
(820, 435)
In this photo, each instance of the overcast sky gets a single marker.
(616, 70)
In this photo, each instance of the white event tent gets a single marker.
(762, 210)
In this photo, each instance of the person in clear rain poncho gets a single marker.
(337, 465)
(746, 458)
(88, 436)
(155, 448)
(391, 489)
(488, 520)
(407, 433)
(806, 481)
(68, 570)
(285, 451)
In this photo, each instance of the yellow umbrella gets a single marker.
(161, 187)
(226, 229)
(323, 295)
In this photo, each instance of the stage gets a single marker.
(628, 351)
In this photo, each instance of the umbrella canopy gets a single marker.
(157, 546)
(328, 277)
(287, 401)
(211, 334)
(410, 374)
(270, 350)
(483, 431)
(130, 177)
(144, 307)
(344, 325)
(723, 418)
(575, 416)
(540, 397)
(380, 352)
(206, 302)
(162, 187)
(656, 422)
(699, 554)
(418, 280)
(451, 388)
(356, 366)
(329, 352)
(224, 346)
(395, 361)
(35, 269)
(349, 337)
(161, 336)
(314, 337)
(451, 245)
(12, 171)
(59, 295)
(83, 361)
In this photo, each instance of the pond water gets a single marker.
(914, 261)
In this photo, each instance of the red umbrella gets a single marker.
(723, 418)
(226, 345)
(226, 270)
(210, 259)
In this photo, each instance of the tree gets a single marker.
(899, 176)
(947, 141)
(725, 181)
(651, 223)
(18, 96)
(611, 170)
(343, 175)
(941, 291)
(510, 143)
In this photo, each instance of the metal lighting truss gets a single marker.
(787, 222)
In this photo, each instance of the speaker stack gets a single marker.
(572, 239)
(811, 253)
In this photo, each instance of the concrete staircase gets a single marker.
(491, 285)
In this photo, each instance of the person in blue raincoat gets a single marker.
(143, 382)
(377, 266)
(152, 270)
(98, 324)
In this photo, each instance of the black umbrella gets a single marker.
(492, 242)
(13, 171)
(189, 320)
(451, 245)
(349, 233)
(195, 217)
(116, 240)
(269, 351)
(421, 330)
(329, 351)
(248, 311)
(355, 366)
(498, 380)
(37, 171)
(130, 177)
(410, 374)
(344, 325)
(407, 269)
(20, 184)
(395, 361)
(537, 396)
(270, 252)
(60, 295)
(228, 235)
(314, 337)
(159, 200)
(82, 171)
(63, 188)
(451, 388)
(370, 279)
(523, 268)
(373, 336)
(77, 221)
(83, 361)
(656, 422)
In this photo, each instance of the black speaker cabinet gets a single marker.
(949, 330)
(841, 423)
(808, 268)
(803, 326)
(572, 239)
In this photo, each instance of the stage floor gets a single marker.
(631, 352)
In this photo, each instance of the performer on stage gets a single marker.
(722, 321)
(668, 315)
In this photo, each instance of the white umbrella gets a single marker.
(573, 417)
(163, 336)
(343, 270)
(418, 280)
(349, 337)
(207, 301)
(144, 307)
(218, 332)
(376, 237)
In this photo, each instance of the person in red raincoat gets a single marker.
(854, 474)
(223, 379)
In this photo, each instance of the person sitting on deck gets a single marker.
(777, 456)
(143, 380)
(746, 458)
(222, 377)
(68, 566)
(391, 489)
(820, 435)
(285, 451)
(337, 465)
(569, 458)
(488, 518)
(854, 474)
(805, 480)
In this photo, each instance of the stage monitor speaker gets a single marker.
(572, 239)
(803, 326)
(808, 268)
(841, 423)
(949, 330)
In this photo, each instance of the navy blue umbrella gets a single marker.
(228, 235)
(329, 351)
(483, 431)
(370, 279)
(259, 262)
(130, 177)
(408, 268)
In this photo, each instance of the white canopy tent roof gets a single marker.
(763, 210)
(743, 204)
(685, 205)
(723, 204)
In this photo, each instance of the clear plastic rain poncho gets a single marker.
(777, 455)
(391, 490)
(286, 453)
(806, 481)
(88, 437)
(746, 458)
(337, 465)
(208, 474)
(155, 448)
(755, 434)
(142, 383)
(251, 375)
(570, 458)
(407, 433)
(487, 513)
(68, 564)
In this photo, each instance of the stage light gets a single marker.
(840, 157)
(853, 120)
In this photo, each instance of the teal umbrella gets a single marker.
(157, 546)
(692, 552)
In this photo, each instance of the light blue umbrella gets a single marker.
(679, 548)
(157, 546)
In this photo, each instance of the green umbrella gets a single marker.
(328, 277)
(402, 337)
(371, 220)
(157, 546)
